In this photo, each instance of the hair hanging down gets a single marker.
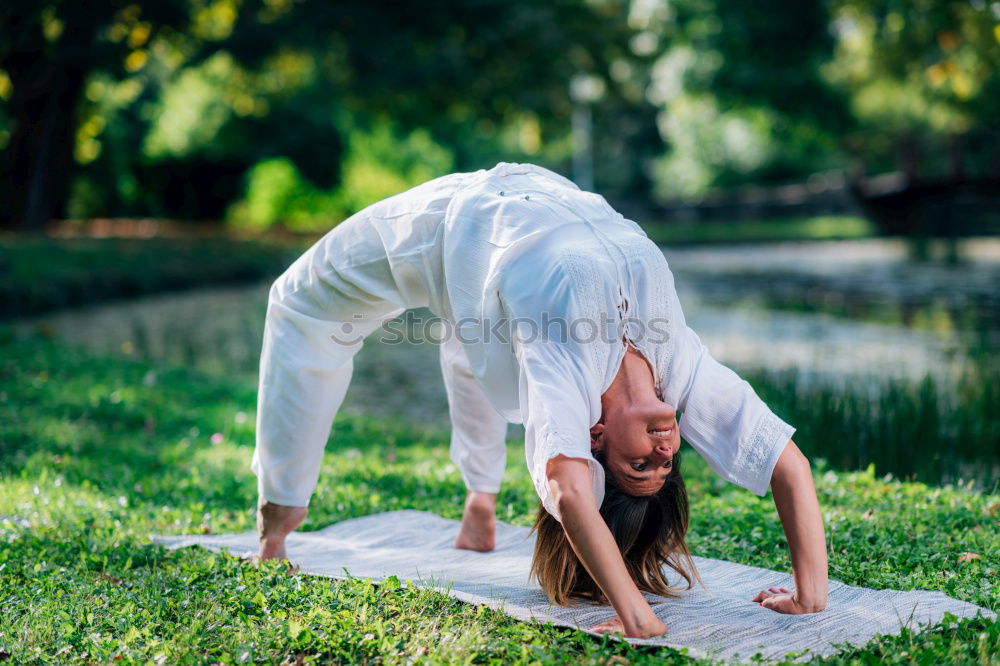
(649, 532)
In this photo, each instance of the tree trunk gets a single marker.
(957, 158)
(47, 80)
(909, 158)
(40, 152)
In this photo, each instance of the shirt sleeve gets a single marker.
(555, 410)
(722, 417)
(559, 392)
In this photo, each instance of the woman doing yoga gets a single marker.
(559, 314)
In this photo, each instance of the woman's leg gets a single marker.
(478, 446)
(369, 268)
(319, 312)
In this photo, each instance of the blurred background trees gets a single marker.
(300, 112)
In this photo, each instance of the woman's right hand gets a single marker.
(647, 629)
(588, 534)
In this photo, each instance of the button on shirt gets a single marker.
(542, 283)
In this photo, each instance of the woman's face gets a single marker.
(639, 441)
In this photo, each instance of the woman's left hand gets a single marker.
(783, 600)
(610, 626)
(614, 625)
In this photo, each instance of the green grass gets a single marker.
(96, 454)
(39, 274)
(823, 227)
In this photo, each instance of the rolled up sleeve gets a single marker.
(723, 418)
(556, 412)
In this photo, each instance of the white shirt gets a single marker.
(501, 254)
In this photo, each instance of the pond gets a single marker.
(849, 319)
(872, 280)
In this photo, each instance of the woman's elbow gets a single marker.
(568, 479)
(569, 498)
(791, 464)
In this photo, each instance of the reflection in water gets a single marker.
(725, 299)
(821, 347)
(873, 280)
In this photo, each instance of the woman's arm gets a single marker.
(798, 508)
(569, 481)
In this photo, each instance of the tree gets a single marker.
(923, 80)
(456, 68)
(47, 50)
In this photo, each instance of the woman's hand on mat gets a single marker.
(797, 505)
(594, 545)
(274, 523)
(614, 625)
(783, 600)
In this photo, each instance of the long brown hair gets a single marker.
(649, 531)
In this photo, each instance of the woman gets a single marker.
(561, 315)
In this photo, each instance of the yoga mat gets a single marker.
(720, 623)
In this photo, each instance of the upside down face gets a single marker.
(639, 441)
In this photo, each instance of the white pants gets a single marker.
(345, 288)
(478, 432)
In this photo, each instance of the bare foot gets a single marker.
(479, 523)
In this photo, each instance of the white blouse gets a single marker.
(540, 281)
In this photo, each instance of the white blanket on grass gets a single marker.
(719, 623)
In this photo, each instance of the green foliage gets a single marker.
(920, 430)
(774, 90)
(378, 165)
(234, 84)
(47, 52)
(277, 193)
(192, 108)
(739, 93)
(912, 66)
(166, 106)
(97, 454)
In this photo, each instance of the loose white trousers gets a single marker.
(308, 351)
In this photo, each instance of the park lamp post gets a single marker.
(584, 90)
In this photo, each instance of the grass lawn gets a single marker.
(96, 454)
(39, 273)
